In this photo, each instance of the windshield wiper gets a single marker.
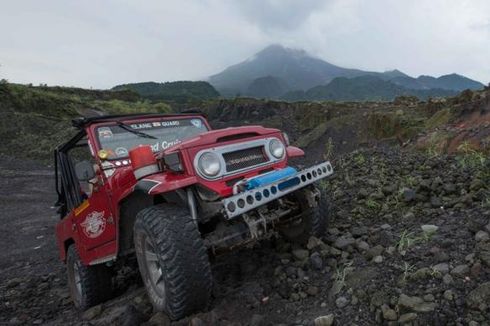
(136, 132)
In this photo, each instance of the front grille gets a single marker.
(244, 158)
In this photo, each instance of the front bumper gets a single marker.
(251, 199)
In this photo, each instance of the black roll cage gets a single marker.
(66, 182)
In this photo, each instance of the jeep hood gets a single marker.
(223, 135)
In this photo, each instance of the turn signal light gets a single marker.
(103, 154)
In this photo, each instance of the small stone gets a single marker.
(335, 289)
(429, 297)
(476, 184)
(326, 320)
(447, 279)
(159, 319)
(92, 313)
(323, 304)
(358, 231)
(388, 190)
(300, 254)
(421, 273)
(391, 250)
(341, 302)
(344, 242)
(316, 261)
(257, 320)
(388, 313)
(475, 270)
(374, 251)
(481, 236)
(333, 231)
(362, 193)
(385, 226)
(408, 195)
(442, 268)
(448, 295)
(312, 290)
(378, 259)
(409, 216)
(405, 318)
(354, 300)
(294, 296)
(435, 202)
(485, 257)
(196, 321)
(362, 245)
(13, 282)
(460, 270)
(415, 303)
(314, 242)
(449, 188)
(429, 228)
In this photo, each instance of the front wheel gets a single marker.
(314, 215)
(89, 285)
(173, 260)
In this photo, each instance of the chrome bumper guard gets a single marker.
(250, 199)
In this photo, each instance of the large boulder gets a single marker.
(479, 298)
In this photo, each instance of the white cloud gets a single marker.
(103, 43)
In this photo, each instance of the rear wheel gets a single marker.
(89, 285)
(173, 260)
(315, 212)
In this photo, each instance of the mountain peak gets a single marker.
(394, 73)
(280, 50)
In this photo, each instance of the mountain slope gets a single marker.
(179, 91)
(267, 87)
(451, 82)
(363, 88)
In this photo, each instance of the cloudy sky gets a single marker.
(103, 43)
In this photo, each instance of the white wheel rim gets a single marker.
(78, 280)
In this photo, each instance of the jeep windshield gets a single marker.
(119, 139)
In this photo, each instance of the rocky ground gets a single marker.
(408, 243)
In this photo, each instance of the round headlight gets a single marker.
(209, 164)
(276, 148)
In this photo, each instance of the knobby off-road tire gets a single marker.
(89, 285)
(315, 217)
(173, 260)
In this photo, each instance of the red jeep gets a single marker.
(171, 191)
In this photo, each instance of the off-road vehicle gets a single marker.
(172, 192)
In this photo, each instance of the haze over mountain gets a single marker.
(277, 69)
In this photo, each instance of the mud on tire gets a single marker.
(89, 285)
(315, 216)
(173, 260)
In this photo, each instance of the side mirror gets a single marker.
(84, 171)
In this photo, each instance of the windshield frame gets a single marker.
(93, 128)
